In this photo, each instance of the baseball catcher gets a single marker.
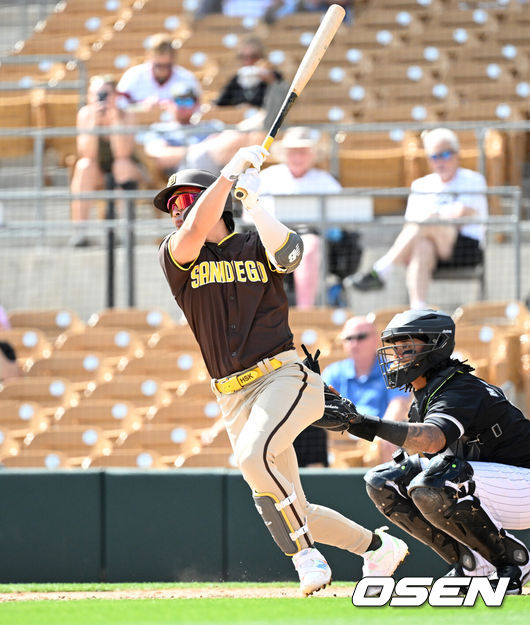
(230, 288)
(474, 483)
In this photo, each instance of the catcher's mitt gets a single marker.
(339, 413)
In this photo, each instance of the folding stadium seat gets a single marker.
(129, 458)
(18, 417)
(381, 317)
(476, 21)
(173, 339)
(388, 19)
(313, 339)
(30, 344)
(451, 40)
(74, 442)
(207, 459)
(56, 110)
(496, 313)
(38, 458)
(15, 112)
(141, 391)
(476, 340)
(370, 40)
(79, 368)
(171, 368)
(197, 414)
(51, 393)
(375, 168)
(113, 417)
(8, 445)
(326, 318)
(143, 322)
(168, 441)
(196, 391)
(111, 343)
(50, 321)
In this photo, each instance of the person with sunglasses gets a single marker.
(150, 83)
(448, 193)
(250, 83)
(229, 286)
(358, 378)
(189, 142)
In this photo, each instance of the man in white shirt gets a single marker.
(297, 174)
(153, 81)
(445, 194)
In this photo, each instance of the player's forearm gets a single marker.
(414, 437)
(271, 231)
(208, 209)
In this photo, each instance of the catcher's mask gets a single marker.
(414, 342)
(186, 178)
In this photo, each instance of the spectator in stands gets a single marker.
(153, 81)
(359, 378)
(101, 158)
(4, 319)
(188, 142)
(253, 79)
(236, 8)
(296, 173)
(8, 362)
(448, 193)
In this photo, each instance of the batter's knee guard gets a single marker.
(444, 494)
(272, 511)
(386, 486)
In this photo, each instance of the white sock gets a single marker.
(383, 268)
(418, 304)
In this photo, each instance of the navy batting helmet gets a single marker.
(401, 366)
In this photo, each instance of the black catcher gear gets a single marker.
(402, 364)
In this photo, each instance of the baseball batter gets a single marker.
(230, 288)
(476, 485)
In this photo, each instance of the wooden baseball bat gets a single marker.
(314, 53)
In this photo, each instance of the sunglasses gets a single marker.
(162, 65)
(441, 155)
(357, 337)
(185, 102)
(181, 201)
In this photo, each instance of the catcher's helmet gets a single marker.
(192, 178)
(400, 366)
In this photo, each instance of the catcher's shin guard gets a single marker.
(386, 486)
(444, 495)
(272, 511)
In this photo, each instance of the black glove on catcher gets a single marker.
(339, 413)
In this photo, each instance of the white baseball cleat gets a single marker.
(313, 570)
(384, 561)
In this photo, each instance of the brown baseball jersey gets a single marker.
(234, 300)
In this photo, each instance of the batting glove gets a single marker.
(249, 181)
(242, 159)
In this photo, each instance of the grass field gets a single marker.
(111, 604)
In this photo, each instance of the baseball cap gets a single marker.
(300, 137)
(184, 90)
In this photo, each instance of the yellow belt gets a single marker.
(234, 383)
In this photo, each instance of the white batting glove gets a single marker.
(249, 181)
(242, 159)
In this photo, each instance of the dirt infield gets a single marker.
(207, 592)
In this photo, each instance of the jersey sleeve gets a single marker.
(454, 410)
(176, 274)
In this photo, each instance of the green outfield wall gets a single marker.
(183, 525)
